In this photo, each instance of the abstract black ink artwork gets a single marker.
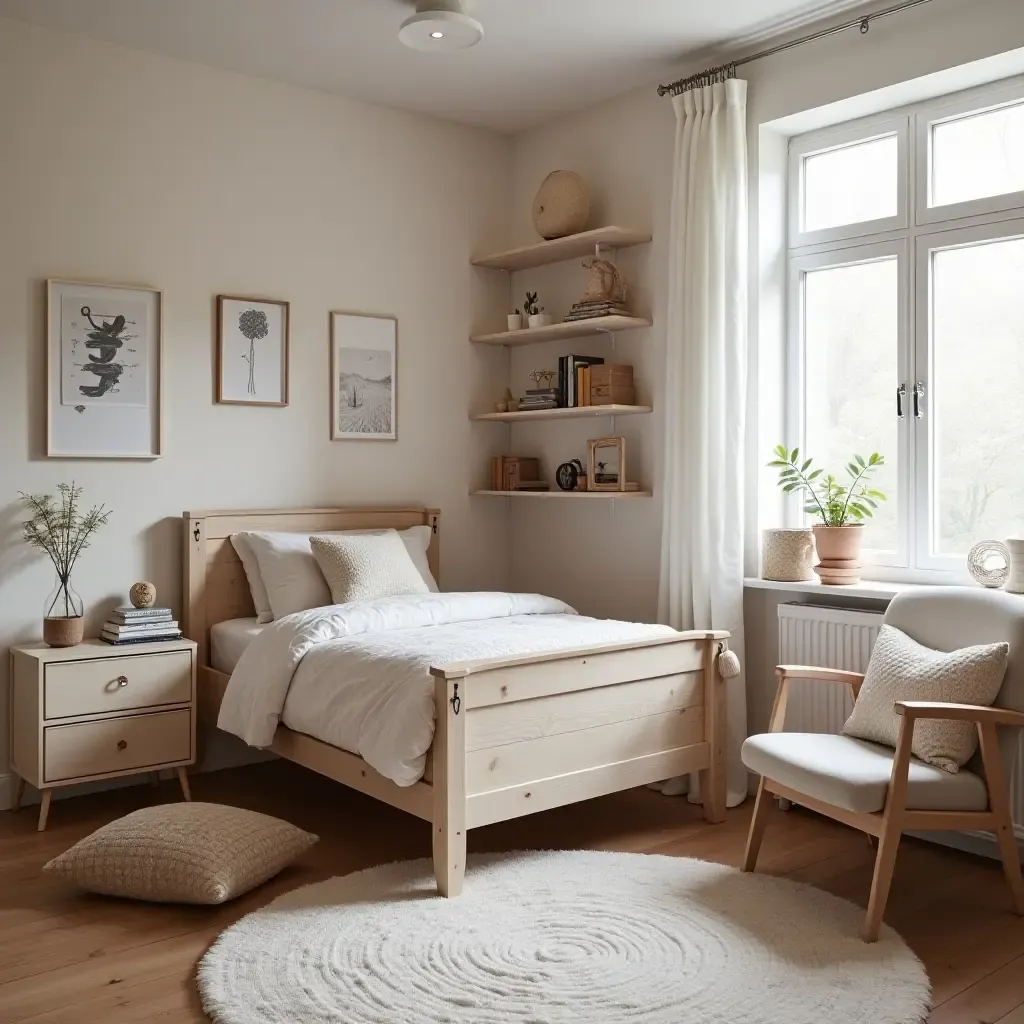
(253, 325)
(104, 342)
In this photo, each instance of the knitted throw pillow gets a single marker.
(901, 669)
(364, 567)
(182, 853)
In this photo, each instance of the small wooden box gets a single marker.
(612, 384)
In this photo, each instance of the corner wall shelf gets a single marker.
(555, 332)
(577, 412)
(559, 249)
(571, 495)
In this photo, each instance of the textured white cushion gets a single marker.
(902, 669)
(854, 774)
(260, 600)
(182, 853)
(367, 567)
(290, 577)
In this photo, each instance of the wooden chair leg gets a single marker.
(762, 808)
(999, 805)
(183, 779)
(19, 792)
(44, 808)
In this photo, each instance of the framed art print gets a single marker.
(252, 351)
(364, 377)
(104, 350)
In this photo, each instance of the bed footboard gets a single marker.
(519, 735)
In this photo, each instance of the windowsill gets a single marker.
(879, 590)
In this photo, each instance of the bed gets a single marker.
(512, 735)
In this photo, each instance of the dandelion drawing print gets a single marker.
(253, 325)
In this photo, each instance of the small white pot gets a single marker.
(515, 321)
(540, 320)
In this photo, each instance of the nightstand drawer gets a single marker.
(117, 684)
(116, 744)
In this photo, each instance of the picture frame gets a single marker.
(364, 377)
(253, 338)
(614, 449)
(104, 370)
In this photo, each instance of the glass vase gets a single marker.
(63, 623)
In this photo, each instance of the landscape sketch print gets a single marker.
(365, 390)
(102, 360)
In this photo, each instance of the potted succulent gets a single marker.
(62, 530)
(515, 321)
(842, 508)
(536, 317)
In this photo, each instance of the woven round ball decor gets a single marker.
(554, 938)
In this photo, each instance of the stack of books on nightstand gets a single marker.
(128, 625)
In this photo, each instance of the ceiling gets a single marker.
(538, 59)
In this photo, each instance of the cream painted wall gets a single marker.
(122, 166)
(602, 557)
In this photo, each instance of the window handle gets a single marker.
(901, 393)
(918, 395)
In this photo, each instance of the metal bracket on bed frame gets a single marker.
(456, 701)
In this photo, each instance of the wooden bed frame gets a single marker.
(513, 735)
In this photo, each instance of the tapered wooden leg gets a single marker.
(449, 782)
(762, 808)
(999, 805)
(19, 792)
(44, 809)
(183, 779)
(154, 779)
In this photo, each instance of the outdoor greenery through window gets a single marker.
(906, 317)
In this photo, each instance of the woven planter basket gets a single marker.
(562, 205)
(787, 556)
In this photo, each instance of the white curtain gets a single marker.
(705, 384)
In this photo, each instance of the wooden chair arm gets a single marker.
(914, 709)
(825, 675)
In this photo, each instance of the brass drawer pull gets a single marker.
(122, 744)
(122, 680)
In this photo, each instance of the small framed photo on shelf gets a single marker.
(606, 464)
(364, 377)
(252, 351)
(104, 350)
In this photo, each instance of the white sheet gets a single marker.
(228, 639)
(357, 675)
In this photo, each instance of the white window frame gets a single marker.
(816, 143)
(916, 232)
(952, 108)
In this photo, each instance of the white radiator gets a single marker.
(843, 638)
(832, 638)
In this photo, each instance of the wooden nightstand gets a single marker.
(94, 711)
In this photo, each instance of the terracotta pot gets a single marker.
(63, 632)
(838, 550)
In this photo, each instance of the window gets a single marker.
(906, 319)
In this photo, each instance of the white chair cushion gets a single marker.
(854, 774)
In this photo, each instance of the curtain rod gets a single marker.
(728, 70)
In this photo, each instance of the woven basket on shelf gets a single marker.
(787, 556)
(562, 205)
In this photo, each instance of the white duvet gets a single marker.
(357, 675)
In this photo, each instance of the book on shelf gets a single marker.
(139, 629)
(514, 473)
(128, 613)
(568, 383)
(118, 641)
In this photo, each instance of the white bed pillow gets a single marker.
(292, 580)
(367, 567)
(260, 601)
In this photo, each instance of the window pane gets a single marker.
(852, 184)
(851, 318)
(977, 416)
(977, 156)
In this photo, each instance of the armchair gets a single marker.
(885, 792)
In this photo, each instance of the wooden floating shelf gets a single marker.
(571, 495)
(579, 412)
(559, 249)
(556, 332)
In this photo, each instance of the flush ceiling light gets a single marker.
(440, 25)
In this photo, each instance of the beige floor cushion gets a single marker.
(902, 669)
(182, 853)
(854, 774)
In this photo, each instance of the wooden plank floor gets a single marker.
(78, 959)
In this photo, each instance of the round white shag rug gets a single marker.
(553, 938)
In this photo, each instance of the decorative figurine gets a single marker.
(142, 594)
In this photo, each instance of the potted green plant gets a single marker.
(842, 508)
(535, 315)
(515, 321)
(63, 531)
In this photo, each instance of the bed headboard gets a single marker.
(215, 587)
